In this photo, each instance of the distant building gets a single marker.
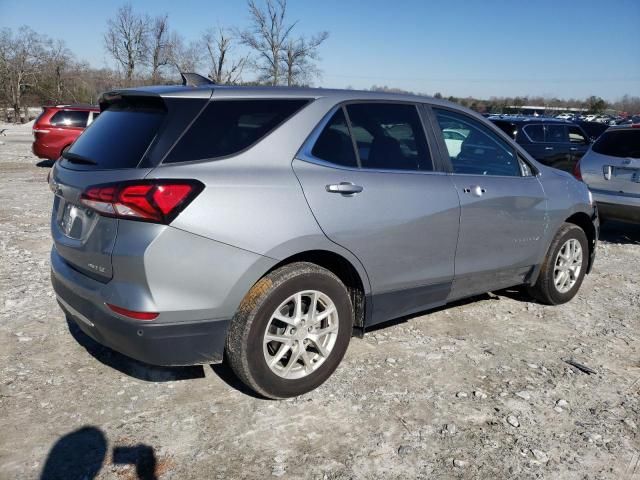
(542, 109)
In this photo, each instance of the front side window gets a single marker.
(556, 134)
(482, 152)
(334, 143)
(70, 118)
(226, 127)
(389, 136)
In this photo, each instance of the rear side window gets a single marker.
(619, 143)
(556, 134)
(334, 143)
(227, 127)
(535, 132)
(70, 118)
(576, 135)
(119, 138)
(389, 136)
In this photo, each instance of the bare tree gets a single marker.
(127, 39)
(160, 46)
(223, 68)
(298, 58)
(185, 57)
(267, 36)
(21, 59)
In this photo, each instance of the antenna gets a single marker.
(190, 79)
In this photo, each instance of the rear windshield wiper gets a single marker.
(75, 158)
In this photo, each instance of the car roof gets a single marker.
(284, 92)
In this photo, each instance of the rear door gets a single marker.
(613, 164)
(369, 177)
(503, 208)
(124, 143)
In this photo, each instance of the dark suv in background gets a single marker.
(58, 127)
(556, 143)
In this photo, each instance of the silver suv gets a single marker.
(611, 169)
(266, 226)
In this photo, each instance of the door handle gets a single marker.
(607, 170)
(574, 149)
(475, 190)
(548, 148)
(344, 188)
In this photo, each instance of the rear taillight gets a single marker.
(576, 171)
(157, 201)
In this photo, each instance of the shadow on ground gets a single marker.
(620, 233)
(82, 453)
(45, 163)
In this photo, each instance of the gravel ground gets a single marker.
(476, 390)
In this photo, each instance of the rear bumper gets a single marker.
(41, 150)
(617, 207)
(166, 343)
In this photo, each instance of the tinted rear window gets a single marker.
(619, 143)
(119, 137)
(227, 127)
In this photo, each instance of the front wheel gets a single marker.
(291, 331)
(564, 266)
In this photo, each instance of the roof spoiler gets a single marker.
(190, 79)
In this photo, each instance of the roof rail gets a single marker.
(190, 79)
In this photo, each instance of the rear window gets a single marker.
(227, 127)
(119, 138)
(70, 118)
(619, 143)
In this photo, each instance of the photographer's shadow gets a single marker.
(81, 454)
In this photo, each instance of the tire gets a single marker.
(546, 290)
(275, 297)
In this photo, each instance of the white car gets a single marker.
(611, 170)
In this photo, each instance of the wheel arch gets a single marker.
(583, 221)
(345, 270)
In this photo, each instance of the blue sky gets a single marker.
(564, 48)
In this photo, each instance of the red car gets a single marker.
(58, 127)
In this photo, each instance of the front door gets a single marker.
(369, 179)
(503, 208)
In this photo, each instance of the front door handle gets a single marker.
(548, 148)
(345, 188)
(574, 149)
(475, 190)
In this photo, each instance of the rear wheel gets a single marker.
(564, 266)
(291, 331)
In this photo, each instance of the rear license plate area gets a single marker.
(627, 174)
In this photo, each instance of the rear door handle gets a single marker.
(574, 149)
(548, 148)
(475, 190)
(345, 188)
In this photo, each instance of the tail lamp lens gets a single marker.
(576, 171)
(148, 200)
